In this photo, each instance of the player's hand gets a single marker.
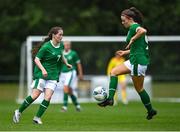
(80, 77)
(44, 73)
(69, 66)
(120, 53)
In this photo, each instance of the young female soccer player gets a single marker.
(46, 73)
(68, 77)
(139, 59)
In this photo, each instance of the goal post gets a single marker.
(28, 67)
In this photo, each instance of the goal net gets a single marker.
(93, 79)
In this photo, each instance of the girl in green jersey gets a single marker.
(137, 47)
(48, 59)
(68, 77)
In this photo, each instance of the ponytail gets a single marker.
(138, 15)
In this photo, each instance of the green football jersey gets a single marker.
(72, 58)
(51, 59)
(139, 49)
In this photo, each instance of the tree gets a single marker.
(21, 18)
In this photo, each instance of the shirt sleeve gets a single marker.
(41, 53)
(134, 28)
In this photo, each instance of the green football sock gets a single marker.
(74, 100)
(146, 100)
(65, 100)
(112, 86)
(43, 106)
(28, 100)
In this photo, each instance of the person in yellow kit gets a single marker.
(115, 61)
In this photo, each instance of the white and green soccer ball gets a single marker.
(99, 93)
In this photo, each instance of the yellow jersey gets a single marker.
(113, 63)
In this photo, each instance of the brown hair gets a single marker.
(134, 13)
(53, 30)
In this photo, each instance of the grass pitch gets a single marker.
(92, 118)
(130, 117)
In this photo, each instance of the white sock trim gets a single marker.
(44, 106)
(112, 89)
(26, 101)
(148, 103)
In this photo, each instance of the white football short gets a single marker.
(41, 84)
(69, 79)
(136, 70)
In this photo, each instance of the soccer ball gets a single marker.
(99, 93)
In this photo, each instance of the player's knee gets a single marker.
(70, 93)
(35, 96)
(66, 89)
(113, 73)
(139, 89)
(47, 97)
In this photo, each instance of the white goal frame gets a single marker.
(31, 39)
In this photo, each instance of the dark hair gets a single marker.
(134, 13)
(53, 30)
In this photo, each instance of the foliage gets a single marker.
(21, 18)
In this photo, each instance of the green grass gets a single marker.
(166, 89)
(8, 91)
(130, 117)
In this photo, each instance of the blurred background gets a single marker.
(22, 18)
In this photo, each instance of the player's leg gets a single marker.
(123, 92)
(116, 94)
(73, 90)
(28, 100)
(118, 70)
(73, 95)
(43, 106)
(138, 84)
(62, 82)
(49, 90)
(66, 77)
(138, 74)
(116, 98)
(65, 99)
(122, 86)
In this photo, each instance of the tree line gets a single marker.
(22, 18)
